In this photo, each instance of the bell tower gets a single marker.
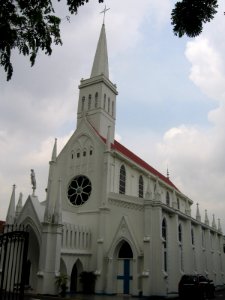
(97, 99)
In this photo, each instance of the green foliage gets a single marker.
(29, 26)
(188, 16)
(61, 282)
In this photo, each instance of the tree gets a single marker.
(188, 16)
(31, 25)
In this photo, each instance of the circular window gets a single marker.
(79, 190)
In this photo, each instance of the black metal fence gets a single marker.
(13, 258)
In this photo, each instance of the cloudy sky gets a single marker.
(170, 108)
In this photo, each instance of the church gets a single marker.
(109, 212)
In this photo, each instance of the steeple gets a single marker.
(54, 151)
(100, 65)
(10, 218)
(19, 205)
(97, 98)
(198, 216)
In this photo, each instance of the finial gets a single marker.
(167, 173)
(198, 216)
(214, 222)
(219, 226)
(206, 217)
(33, 181)
(54, 151)
(104, 11)
(10, 218)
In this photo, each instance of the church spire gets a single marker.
(10, 218)
(54, 151)
(100, 65)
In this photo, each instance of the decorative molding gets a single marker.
(126, 204)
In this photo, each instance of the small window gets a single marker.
(164, 237)
(122, 183)
(180, 233)
(167, 198)
(140, 187)
(84, 153)
(104, 103)
(108, 105)
(178, 203)
(91, 151)
(72, 155)
(164, 233)
(89, 102)
(112, 108)
(192, 236)
(96, 100)
(83, 102)
(78, 154)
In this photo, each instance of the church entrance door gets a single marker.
(124, 273)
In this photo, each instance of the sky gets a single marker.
(170, 107)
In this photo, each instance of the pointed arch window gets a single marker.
(112, 108)
(82, 103)
(192, 236)
(96, 100)
(167, 198)
(108, 105)
(164, 239)
(122, 183)
(125, 251)
(104, 101)
(140, 187)
(89, 101)
(164, 229)
(91, 151)
(178, 203)
(180, 238)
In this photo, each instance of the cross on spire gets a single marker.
(104, 11)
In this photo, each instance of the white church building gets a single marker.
(108, 211)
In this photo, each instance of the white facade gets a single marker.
(109, 212)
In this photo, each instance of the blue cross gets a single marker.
(126, 277)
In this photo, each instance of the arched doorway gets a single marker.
(124, 269)
(32, 259)
(27, 273)
(74, 279)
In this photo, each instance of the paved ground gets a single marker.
(220, 295)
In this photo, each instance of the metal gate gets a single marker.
(13, 257)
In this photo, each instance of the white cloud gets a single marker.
(40, 103)
(207, 70)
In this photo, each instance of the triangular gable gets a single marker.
(124, 232)
(85, 128)
(32, 210)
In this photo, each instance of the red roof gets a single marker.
(126, 152)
